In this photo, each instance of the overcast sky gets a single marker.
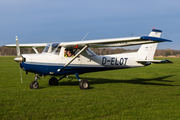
(45, 21)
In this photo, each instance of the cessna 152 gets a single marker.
(54, 61)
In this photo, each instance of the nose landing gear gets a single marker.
(34, 84)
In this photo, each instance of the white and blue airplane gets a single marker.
(53, 60)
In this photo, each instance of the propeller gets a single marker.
(20, 73)
(17, 47)
(19, 57)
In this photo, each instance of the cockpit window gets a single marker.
(46, 48)
(57, 50)
(54, 46)
(51, 48)
(90, 53)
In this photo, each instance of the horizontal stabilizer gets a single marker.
(154, 61)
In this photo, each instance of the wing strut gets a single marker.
(35, 50)
(73, 58)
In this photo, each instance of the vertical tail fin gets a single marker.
(155, 33)
(147, 51)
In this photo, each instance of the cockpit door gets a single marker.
(70, 54)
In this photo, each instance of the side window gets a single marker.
(57, 51)
(90, 53)
(70, 52)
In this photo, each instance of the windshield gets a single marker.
(54, 46)
(51, 48)
(46, 48)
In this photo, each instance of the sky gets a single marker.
(45, 21)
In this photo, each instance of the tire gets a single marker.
(33, 85)
(53, 81)
(84, 84)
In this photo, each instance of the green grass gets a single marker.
(151, 92)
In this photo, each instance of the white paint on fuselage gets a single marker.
(124, 60)
(115, 60)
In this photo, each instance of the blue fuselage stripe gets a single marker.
(49, 69)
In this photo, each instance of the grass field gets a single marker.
(151, 92)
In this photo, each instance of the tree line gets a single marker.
(6, 51)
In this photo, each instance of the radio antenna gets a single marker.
(85, 36)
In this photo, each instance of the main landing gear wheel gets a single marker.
(53, 81)
(34, 85)
(84, 84)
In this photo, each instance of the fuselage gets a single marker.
(52, 63)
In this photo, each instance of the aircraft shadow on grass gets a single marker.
(131, 81)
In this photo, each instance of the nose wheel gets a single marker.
(34, 84)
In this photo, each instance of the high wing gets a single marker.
(115, 42)
(28, 45)
(33, 46)
(154, 37)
